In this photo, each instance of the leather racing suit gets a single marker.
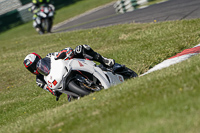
(81, 51)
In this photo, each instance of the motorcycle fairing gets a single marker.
(60, 70)
(106, 78)
(90, 66)
(56, 73)
(114, 79)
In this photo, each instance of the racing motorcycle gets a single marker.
(44, 19)
(80, 77)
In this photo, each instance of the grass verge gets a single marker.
(163, 101)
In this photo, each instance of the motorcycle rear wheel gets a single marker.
(133, 74)
(127, 73)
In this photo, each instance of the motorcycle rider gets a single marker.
(81, 51)
(35, 8)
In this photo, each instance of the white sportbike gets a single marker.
(80, 77)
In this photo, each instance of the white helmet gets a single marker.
(31, 61)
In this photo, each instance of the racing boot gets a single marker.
(90, 54)
(104, 61)
(108, 62)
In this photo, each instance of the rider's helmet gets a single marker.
(31, 61)
(66, 54)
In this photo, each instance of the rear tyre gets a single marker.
(74, 87)
(50, 23)
(128, 73)
(132, 73)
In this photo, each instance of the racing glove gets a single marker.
(57, 94)
(53, 92)
(66, 54)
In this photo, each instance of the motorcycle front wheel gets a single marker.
(75, 87)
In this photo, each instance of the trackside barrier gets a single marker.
(24, 13)
(24, 2)
(15, 12)
(10, 20)
(122, 6)
(9, 5)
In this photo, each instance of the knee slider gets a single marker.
(87, 47)
(78, 49)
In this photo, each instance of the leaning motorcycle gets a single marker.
(43, 20)
(80, 77)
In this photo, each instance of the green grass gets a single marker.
(164, 101)
(60, 16)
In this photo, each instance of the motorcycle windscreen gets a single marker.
(44, 66)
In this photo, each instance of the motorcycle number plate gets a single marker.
(46, 10)
(51, 84)
(43, 14)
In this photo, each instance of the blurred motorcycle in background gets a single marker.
(43, 18)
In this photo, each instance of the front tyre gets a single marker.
(49, 26)
(45, 24)
(74, 87)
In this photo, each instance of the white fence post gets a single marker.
(123, 6)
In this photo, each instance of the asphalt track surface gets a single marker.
(166, 11)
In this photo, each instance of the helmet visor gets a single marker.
(43, 66)
(31, 66)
